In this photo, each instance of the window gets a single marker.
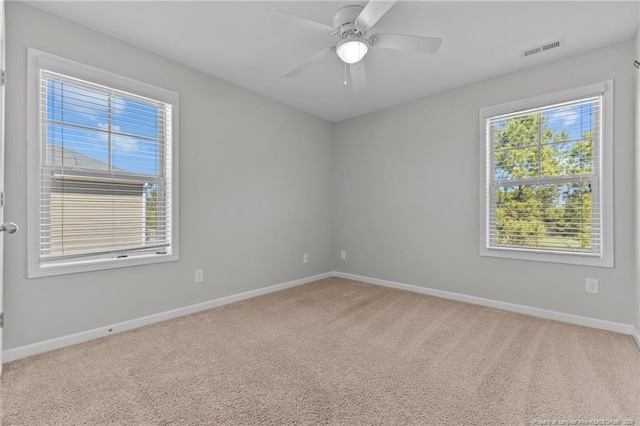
(546, 178)
(102, 169)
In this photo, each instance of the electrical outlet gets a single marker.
(305, 258)
(592, 285)
(343, 255)
(199, 276)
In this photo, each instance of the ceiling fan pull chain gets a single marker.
(345, 73)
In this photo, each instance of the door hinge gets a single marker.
(1, 319)
(2, 199)
(3, 78)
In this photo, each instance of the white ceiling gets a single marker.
(236, 41)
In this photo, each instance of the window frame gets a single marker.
(604, 180)
(38, 60)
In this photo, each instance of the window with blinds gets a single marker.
(105, 173)
(543, 182)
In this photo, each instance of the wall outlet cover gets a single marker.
(592, 285)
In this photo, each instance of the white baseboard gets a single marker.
(72, 339)
(83, 336)
(522, 309)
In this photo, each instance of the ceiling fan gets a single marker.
(351, 24)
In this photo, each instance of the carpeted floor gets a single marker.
(334, 352)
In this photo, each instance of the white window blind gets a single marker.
(105, 172)
(543, 186)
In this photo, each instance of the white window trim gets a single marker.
(38, 59)
(606, 259)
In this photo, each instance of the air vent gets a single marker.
(532, 51)
(542, 48)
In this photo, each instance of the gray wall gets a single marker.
(406, 194)
(254, 192)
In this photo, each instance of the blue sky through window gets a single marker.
(574, 119)
(79, 119)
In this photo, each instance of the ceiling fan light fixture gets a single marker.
(352, 51)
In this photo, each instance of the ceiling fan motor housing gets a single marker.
(344, 20)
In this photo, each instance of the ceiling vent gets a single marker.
(542, 48)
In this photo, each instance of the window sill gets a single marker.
(566, 258)
(98, 265)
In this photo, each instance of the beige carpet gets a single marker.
(333, 352)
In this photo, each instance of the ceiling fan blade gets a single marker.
(373, 11)
(287, 18)
(308, 62)
(358, 76)
(406, 42)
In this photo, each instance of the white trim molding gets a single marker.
(602, 180)
(84, 336)
(636, 334)
(505, 306)
(39, 61)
